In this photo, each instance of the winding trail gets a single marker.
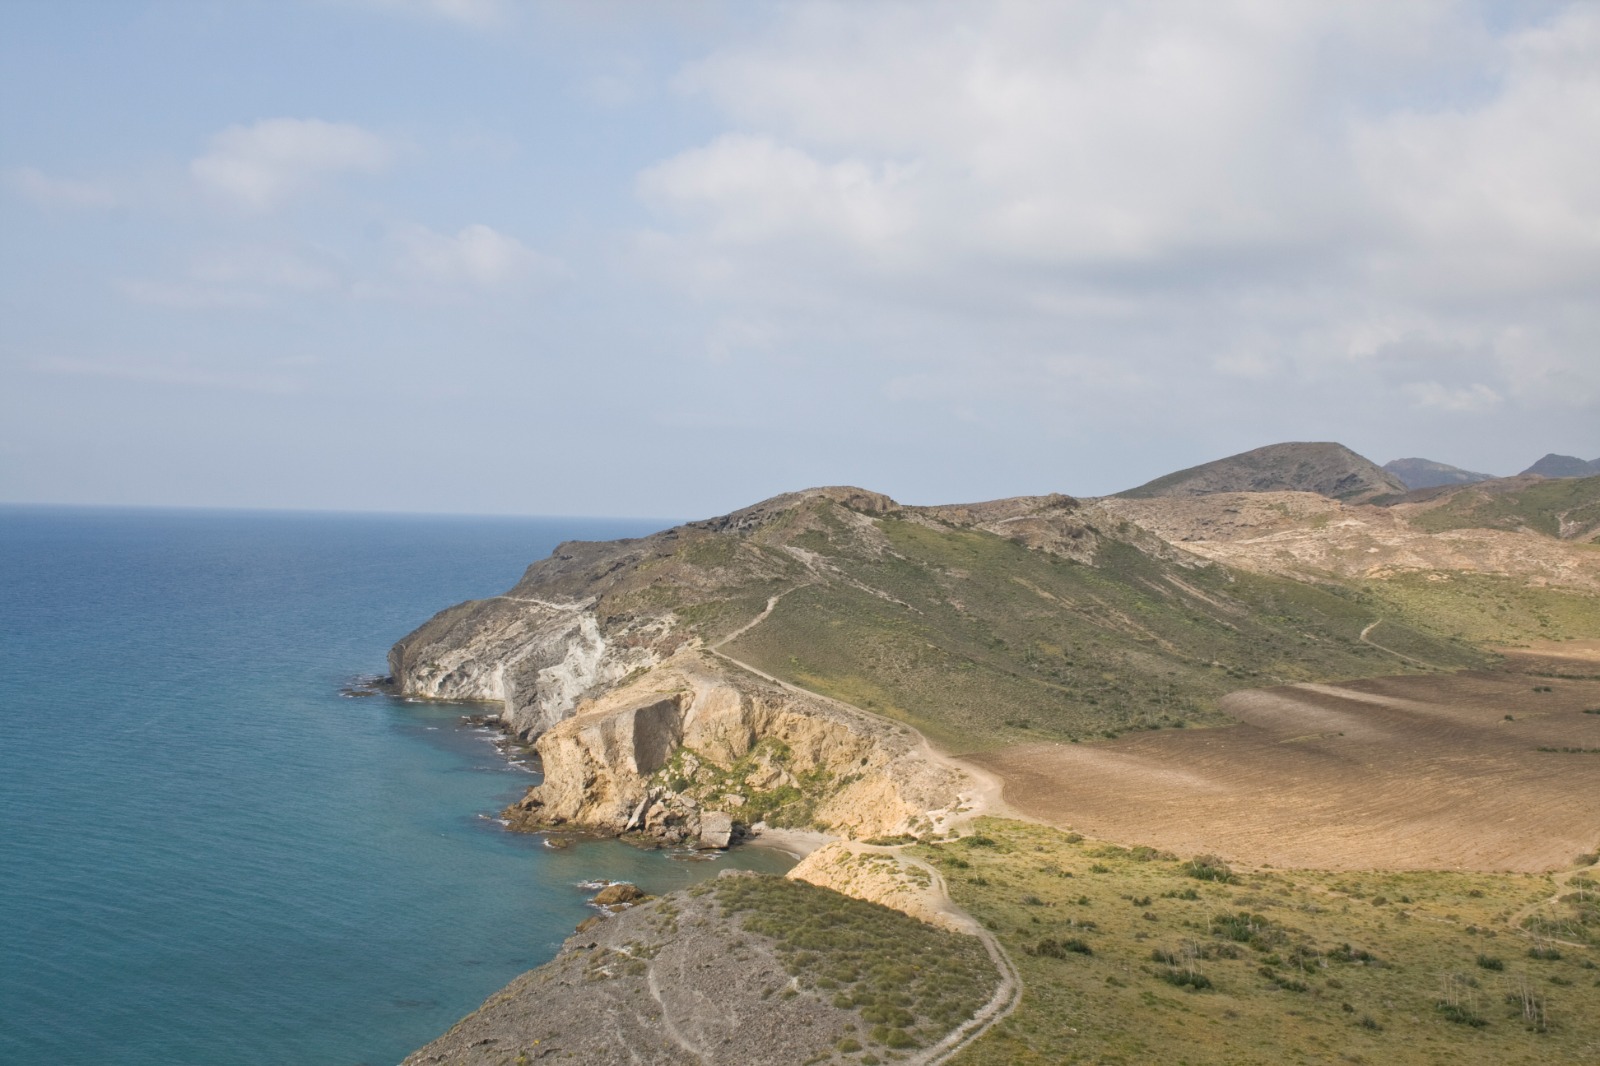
(1561, 881)
(1370, 626)
(984, 798)
(1007, 994)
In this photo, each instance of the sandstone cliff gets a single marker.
(698, 744)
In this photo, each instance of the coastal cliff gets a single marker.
(697, 750)
(778, 663)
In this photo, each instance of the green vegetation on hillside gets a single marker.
(1542, 506)
(1129, 955)
(910, 982)
(981, 641)
(1484, 608)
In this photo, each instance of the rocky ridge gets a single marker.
(1305, 535)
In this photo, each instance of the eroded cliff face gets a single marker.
(696, 744)
(536, 658)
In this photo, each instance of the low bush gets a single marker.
(1460, 1014)
(1208, 868)
(1185, 979)
(1052, 948)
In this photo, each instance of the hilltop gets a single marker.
(1554, 465)
(1325, 468)
(1427, 474)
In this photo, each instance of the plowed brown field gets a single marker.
(1395, 773)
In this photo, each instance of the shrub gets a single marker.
(1060, 949)
(1459, 1014)
(1283, 981)
(1489, 962)
(1346, 953)
(1246, 928)
(1208, 868)
(1185, 979)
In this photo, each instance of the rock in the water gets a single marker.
(716, 829)
(620, 893)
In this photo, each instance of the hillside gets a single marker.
(780, 666)
(1567, 508)
(1427, 474)
(1327, 469)
(978, 624)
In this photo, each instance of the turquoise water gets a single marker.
(207, 855)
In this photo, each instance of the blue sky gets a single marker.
(667, 259)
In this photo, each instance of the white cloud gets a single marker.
(1219, 196)
(260, 165)
(749, 190)
(477, 256)
(46, 191)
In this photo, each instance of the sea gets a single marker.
(208, 853)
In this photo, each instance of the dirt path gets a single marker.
(1006, 995)
(983, 798)
(1370, 626)
(1561, 880)
(985, 795)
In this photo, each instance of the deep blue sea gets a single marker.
(207, 855)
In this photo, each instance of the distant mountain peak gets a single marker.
(1429, 474)
(1554, 465)
(1324, 467)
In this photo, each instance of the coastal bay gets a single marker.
(212, 856)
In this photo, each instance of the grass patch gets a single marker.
(909, 981)
(1288, 965)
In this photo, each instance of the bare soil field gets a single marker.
(1391, 773)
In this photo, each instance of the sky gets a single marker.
(602, 258)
